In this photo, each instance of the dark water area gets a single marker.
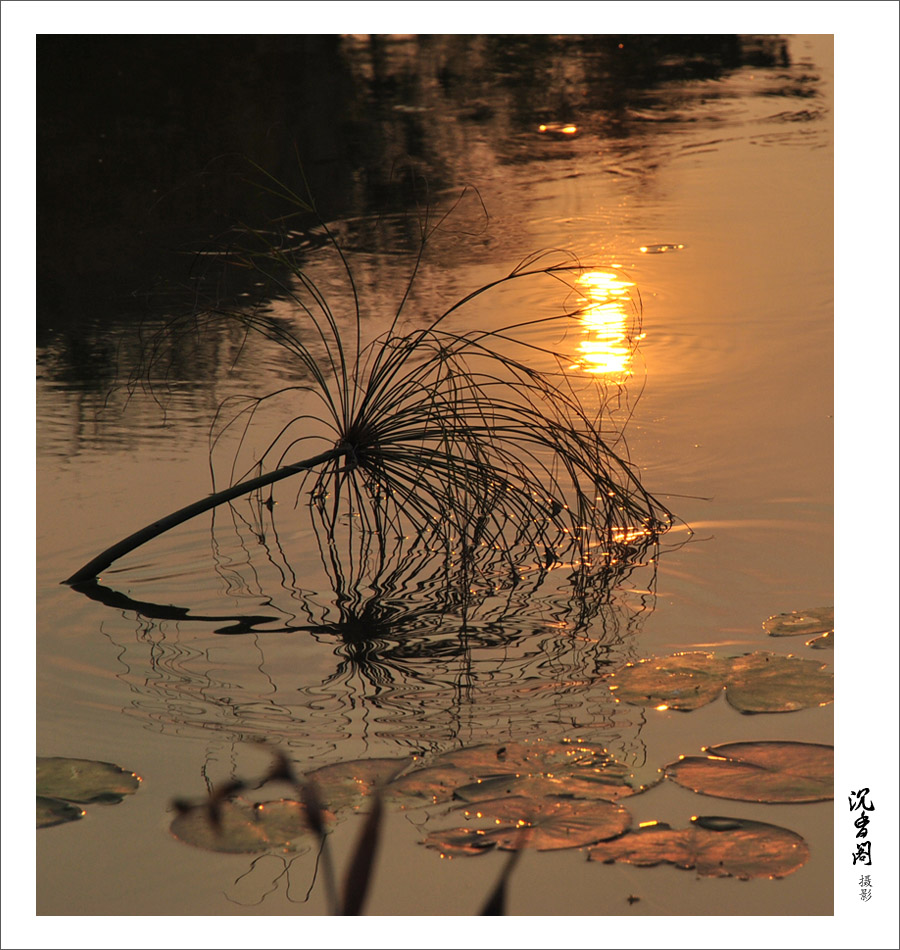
(691, 175)
(144, 143)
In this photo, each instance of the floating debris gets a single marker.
(660, 248)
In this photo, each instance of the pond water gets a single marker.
(694, 181)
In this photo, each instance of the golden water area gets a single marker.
(699, 325)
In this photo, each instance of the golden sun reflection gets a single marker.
(607, 314)
(558, 128)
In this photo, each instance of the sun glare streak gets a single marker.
(558, 128)
(606, 314)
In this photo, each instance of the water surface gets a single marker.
(700, 178)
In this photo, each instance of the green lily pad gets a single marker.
(715, 847)
(756, 682)
(545, 824)
(801, 623)
(771, 772)
(244, 827)
(764, 682)
(84, 781)
(54, 811)
(683, 681)
(348, 784)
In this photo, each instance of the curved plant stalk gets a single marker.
(92, 569)
(359, 872)
(495, 905)
(428, 434)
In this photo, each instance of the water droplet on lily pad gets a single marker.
(770, 772)
(714, 847)
(801, 623)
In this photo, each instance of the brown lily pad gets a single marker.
(488, 760)
(587, 784)
(754, 683)
(683, 681)
(518, 758)
(54, 811)
(715, 847)
(824, 642)
(84, 780)
(568, 768)
(801, 623)
(771, 772)
(348, 784)
(545, 824)
(765, 682)
(458, 842)
(240, 826)
(434, 784)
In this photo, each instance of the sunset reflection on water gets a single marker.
(689, 139)
(611, 324)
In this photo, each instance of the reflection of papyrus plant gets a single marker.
(429, 438)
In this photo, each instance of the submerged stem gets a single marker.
(92, 569)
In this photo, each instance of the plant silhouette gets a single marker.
(427, 444)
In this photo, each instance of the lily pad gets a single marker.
(84, 781)
(755, 682)
(801, 623)
(530, 757)
(460, 841)
(545, 824)
(491, 759)
(588, 784)
(348, 784)
(568, 768)
(764, 682)
(54, 811)
(715, 847)
(683, 681)
(434, 784)
(824, 642)
(246, 827)
(771, 772)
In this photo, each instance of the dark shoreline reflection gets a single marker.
(144, 166)
(143, 140)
